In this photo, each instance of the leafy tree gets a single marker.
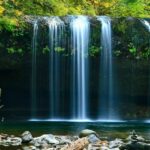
(12, 10)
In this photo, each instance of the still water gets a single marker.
(105, 129)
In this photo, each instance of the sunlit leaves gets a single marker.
(18, 13)
(16, 8)
(2, 9)
(8, 23)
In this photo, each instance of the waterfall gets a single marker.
(56, 28)
(34, 69)
(106, 80)
(146, 24)
(79, 75)
(80, 28)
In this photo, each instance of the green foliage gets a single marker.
(122, 26)
(17, 8)
(18, 32)
(59, 49)
(8, 23)
(93, 50)
(135, 8)
(12, 50)
(12, 12)
(20, 50)
(145, 54)
(132, 48)
(45, 50)
(117, 53)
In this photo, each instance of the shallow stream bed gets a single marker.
(105, 129)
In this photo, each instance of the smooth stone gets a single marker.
(116, 143)
(50, 139)
(63, 140)
(135, 138)
(86, 132)
(93, 138)
(16, 141)
(30, 148)
(104, 148)
(26, 137)
(44, 140)
(3, 136)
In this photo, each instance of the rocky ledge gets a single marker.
(87, 140)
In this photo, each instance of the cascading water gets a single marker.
(80, 28)
(80, 34)
(106, 73)
(146, 24)
(56, 28)
(34, 69)
(73, 80)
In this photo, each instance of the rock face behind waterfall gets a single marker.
(65, 66)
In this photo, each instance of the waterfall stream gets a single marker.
(70, 90)
(34, 70)
(106, 73)
(146, 24)
(80, 29)
(56, 28)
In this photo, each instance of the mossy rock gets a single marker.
(86, 132)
